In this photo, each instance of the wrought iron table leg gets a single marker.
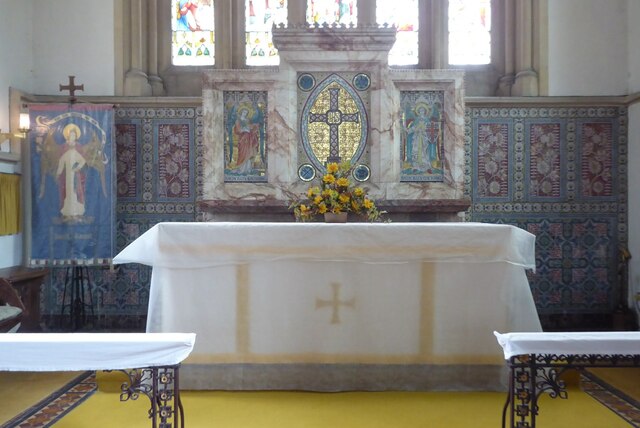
(506, 404)
(522, 392)
(160, 385)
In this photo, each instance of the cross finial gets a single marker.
(72, 88)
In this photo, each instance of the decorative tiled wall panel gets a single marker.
(157, 174)
(560, 173)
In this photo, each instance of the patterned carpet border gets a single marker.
(50, 410)
(617, 401)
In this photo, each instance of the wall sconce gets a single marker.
(23, 127)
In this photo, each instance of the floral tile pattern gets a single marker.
(545, 160)
(127, 159)
(492, 173)
(560, 173)
(174, 164)
(596, 159)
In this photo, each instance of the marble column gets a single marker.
(526, 78)
(136, 82)
(157, 86)
(508, 78)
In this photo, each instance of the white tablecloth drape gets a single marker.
(92, 351)
(199, 245)
(570, 343)
(337, 294)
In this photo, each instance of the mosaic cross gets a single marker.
(335, 303)
(433, 129)
(334, 118)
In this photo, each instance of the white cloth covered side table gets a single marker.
(339, 306)
(537, 361)
(570, 343)
(150, 360)
(92, 351)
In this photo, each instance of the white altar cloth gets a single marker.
(92, 351)
(396, 294)
(570, 343)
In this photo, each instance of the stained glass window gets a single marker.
(332, 12)
(469, 31)
(404, 15)
(260, 15)
(192, 40)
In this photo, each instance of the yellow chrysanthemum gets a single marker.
(355, 206)
(358, 191)
(342, 182)
(322, 208)
(368, 204)
(313, 191)
(317, 200)
(304, 209)
(329, 178)
(332, 168)
(344, 198)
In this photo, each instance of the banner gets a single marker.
(72, 179)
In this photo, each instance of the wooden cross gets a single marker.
(72, 88)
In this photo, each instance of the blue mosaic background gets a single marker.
(564, 180)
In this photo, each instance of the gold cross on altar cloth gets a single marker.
(335, 303)
(72, 88)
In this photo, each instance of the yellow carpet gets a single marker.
(303, 409)
(350, 409)
(625, 380)
(20, 390)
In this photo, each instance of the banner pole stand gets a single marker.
(77, 287)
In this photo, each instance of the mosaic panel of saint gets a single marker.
(245, 132)
(422, 135)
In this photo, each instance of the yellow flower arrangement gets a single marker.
(336, 194)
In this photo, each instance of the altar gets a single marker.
(409, 306)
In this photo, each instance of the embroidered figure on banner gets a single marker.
(73, 193)
(68, 162)
(422, 136)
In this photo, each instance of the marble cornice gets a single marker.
(118, 101)
(275, 206)
(552, 100)
(330, 38)
(623, 100)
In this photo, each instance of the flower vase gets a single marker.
(335, 217)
